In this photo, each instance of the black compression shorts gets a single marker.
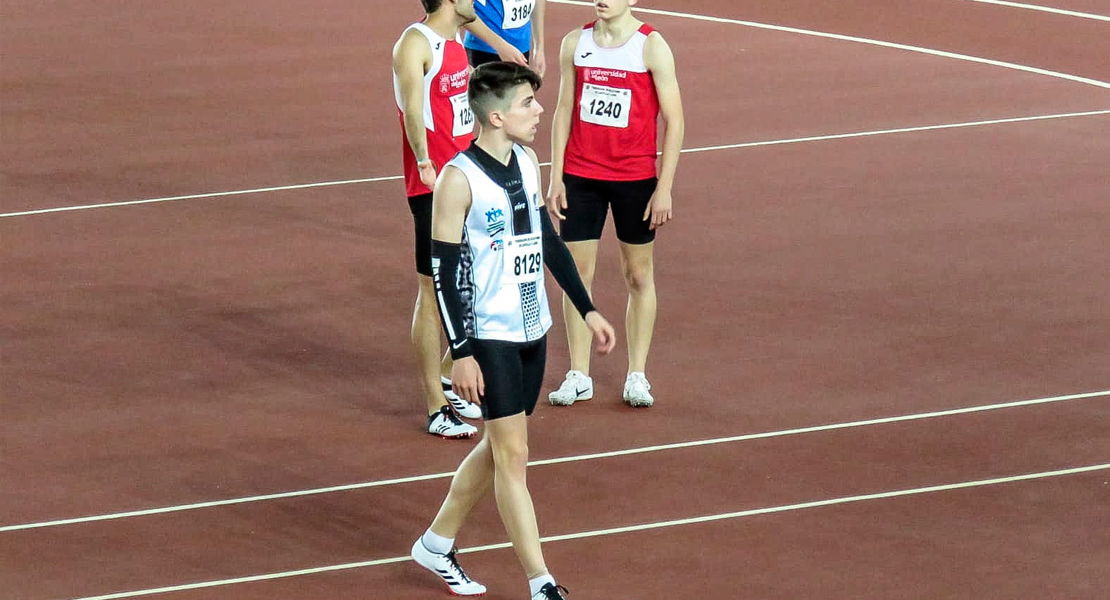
(588, 204)
(421, 207)
(513, 373)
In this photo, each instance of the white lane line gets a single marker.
(565, 459)
(1048, 9)
(861, 40)
(818, 138)
(281, 188)
(620, 530)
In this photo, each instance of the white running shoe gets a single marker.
(448, 425)
(447, 568)
(576, 387)
(636, 390)
(465, 408)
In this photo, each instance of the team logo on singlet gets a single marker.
(495, 221)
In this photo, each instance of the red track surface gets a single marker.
(203, 349)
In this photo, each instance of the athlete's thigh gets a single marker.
(629, 200)
(503, 373)
(587, 208)
(533, 358)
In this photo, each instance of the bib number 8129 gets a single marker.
(527, 264)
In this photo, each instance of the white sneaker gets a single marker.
(447, 568)
(465, 408)
(446, 424)
(636, 392)
(576, 387)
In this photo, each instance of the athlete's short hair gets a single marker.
(430, 6)
(491, 83)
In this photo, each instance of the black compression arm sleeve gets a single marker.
(445, 267)
(562, 267)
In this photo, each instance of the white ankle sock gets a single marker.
(437, 543)
(538, 582)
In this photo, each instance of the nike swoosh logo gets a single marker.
(578, 393)
(585, 55)
(458, 345)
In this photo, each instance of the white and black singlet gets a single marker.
(501, 267)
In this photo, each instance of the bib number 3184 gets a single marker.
(523, 259)
(517, 13)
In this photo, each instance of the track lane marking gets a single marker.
(619, 530)
(561, 460)
(818, 138)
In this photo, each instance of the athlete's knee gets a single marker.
(511, 456)
(639, 277)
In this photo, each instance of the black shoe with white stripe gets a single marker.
(551, 591)
(446, 423)
(447, 568)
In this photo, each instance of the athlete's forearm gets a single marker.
(445, 265)
(560, 135)
(561, 264)
(673, 135)
(416, 133)
(487, 35)
(537, 26)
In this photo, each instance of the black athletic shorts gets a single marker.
(421, 207)
(513, 373)
(477, 57)
(588, 204)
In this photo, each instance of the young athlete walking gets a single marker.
(491, 240)
(617, 79)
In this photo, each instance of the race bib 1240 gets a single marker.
(603, 105)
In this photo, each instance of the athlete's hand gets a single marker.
(538, 62)
(556, 199)
(427, 173)
(605, 337)
(659, 209)
(508, 53)
(467, 380)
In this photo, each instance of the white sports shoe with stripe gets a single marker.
(575, 388)
(446, 424)
(464, 408)
(447, 568)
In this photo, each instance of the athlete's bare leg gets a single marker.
(579, 337)
(638, 267)
(471, 482)
(508, 438)
(425, 338)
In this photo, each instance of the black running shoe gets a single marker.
(551, 591)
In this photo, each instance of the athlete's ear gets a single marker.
(496, 119)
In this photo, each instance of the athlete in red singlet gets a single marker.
(618, 78)
(430, 80)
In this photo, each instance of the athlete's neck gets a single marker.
(444, 22)
(500, 147)
(615, 31)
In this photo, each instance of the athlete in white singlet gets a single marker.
(491, 239)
